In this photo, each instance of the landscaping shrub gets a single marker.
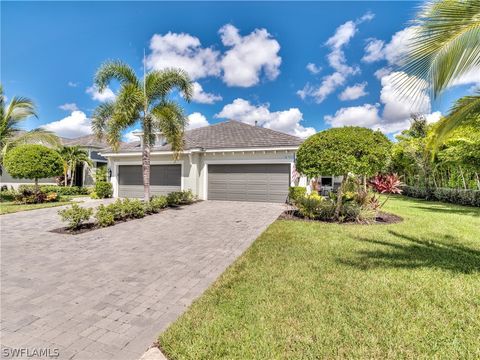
(156, 204)
(28, 196)
(60, 190)
(308, 206)
(133, 208)
(295, 193)
(103, 189)
(75, 215)
(104, 216)
(116, 209)
(7, 195)
(455, 196)
(180, 198)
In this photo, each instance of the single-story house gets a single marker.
(225, 161)
(83, 175)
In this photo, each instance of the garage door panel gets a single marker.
(164, 179)
(249, 182)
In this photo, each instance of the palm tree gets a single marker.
(11, 115)
(143, 101)
(445, 46)
(72, 156)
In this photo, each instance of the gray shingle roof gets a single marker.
(87, 141)
(227, 135)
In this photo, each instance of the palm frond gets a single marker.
(101, 115)
(462, 112)
(115, 70)
(171, 121)
(444, 47)
(19, 109)
(158, 84)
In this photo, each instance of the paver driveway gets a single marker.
(108, 293)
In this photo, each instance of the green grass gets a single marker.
(9, 207)
(316, 290)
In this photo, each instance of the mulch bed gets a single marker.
(383, 218)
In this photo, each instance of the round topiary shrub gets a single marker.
(33, 162)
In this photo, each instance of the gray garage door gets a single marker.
(163, 180)
(249, 182)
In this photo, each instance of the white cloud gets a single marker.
(249, 56)
(130, 136)
(287, 121)
(312, 68)
(68, 107)
(72, 84)
(433, 117)
(374, 50)
(397, 108)
(353, 92)
(470, 77)
(365, 115)
(380, 73)
(181, 50)
(203, 97)
(75, 125)
(336, 59)
(196, 120)
(105, 95)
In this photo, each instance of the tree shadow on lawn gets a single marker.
(418, 253)
(439, 207)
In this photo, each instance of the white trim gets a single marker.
(264, 149)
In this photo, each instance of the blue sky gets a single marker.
(250, 61)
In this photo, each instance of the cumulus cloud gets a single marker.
(72, 84)
(105, 95)
(75, 125)
(353, 92)
(336, 59)
(130, 136)
(313, 69)
(395, 115)
(196, 120)
(287, 121)
(249, 56)
(68, 107)
(374, 50)
(183, 51)
(200, 96)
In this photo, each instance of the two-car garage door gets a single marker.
(163, 180)
(249, 182)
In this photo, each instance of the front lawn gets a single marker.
(316, 290)
(9, 207)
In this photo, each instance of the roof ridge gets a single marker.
(264, 128)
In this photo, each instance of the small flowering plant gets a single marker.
(386, 184)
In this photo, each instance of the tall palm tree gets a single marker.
(73, 156)
(445, 46)
(11, 115)
(143, 101)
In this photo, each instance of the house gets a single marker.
(226, 161)
(83, 176)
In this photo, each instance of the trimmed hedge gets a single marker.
(61, 190)
(454, 196)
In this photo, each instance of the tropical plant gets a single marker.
(11, 115)
(386, 184)
(73, 156)
(445, 46)
(33, 162)
(103, 189)
(143, 101)
(75, 216)
(340, 151)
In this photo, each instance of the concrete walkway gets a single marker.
(108, 293)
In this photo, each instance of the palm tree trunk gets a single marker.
(478, 180)
(36, 189)
(339, 198)
(463, 178)
(146, 171)
(73, 175)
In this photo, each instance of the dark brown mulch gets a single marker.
(383, 218)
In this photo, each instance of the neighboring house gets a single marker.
(226, 161)
(83, 176)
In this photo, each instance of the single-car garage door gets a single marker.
(249, 182)
(163, 180)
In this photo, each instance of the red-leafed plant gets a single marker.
(386, 184)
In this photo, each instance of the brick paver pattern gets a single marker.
(108, 293)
